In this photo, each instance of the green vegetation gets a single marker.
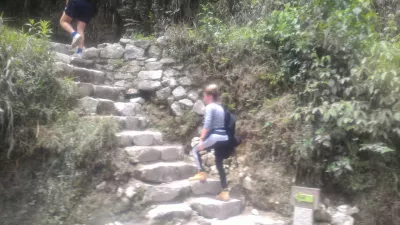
(29, 93)
(338, 58)
(50, 155)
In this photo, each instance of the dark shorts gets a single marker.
(81, 10)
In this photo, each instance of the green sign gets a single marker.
(300, 197)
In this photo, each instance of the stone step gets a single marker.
(163, 213)
(89, 105)
(100, 106)
(212, 208)
(250, 220)
(140, 138)
(165, 172)
(180, 189)
(101, 91)
(84, 63)
(79, 74)
(144, 154)
(126, 122)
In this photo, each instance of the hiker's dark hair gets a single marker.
(212, 90)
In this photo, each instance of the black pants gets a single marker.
(219, 148)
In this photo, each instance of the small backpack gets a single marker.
(230, 126)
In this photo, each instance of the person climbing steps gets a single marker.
(213, 135)
(82, 11)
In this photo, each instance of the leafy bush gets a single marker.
(30, 94)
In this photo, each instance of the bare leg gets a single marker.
(81, 30)
(65, 23)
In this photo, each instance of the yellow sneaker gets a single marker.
(201, 176)
(223, 196)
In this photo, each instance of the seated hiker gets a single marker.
(81, 11)
(213, 135)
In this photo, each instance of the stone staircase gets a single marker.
(159, 168)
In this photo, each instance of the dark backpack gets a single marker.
(230, 126)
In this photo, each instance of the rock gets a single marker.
(1, 116)
(105, 107)
(114, 51)
(169, 82)
(199, 107)
(162, 172)
(143, 154)
(153, 66)
(193, 71)
(348, 210)
(132, 93)
(163, 94)
(193, 95)
(154, 52)
(91, 53)
(130, 67)
(142, 138)
(88, 105)
(171, 73)
(108, 92)
(168, 61)
(144, 44)
(63, 58)
(209, 187)
(186, 103)
(178, 67)
(166, 192)
(179, 93)
(212, 208)
(86, 63)
(169, 212)
(149, 85)
(101, 186)
(123, 76)
(133, 52)
(255, 212)
(162, 41)
(339, 218)
(85, 89)
(61, 48)
(252, 220)
(127, 109)
(176, 109)
(151, 60)
(150, 75)
(322, 216)
(138, 100)
(103, 45)
(185, 81)
(123, 83)
(171, 100)
(248, 183)
(125, 41)
(130, 192)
